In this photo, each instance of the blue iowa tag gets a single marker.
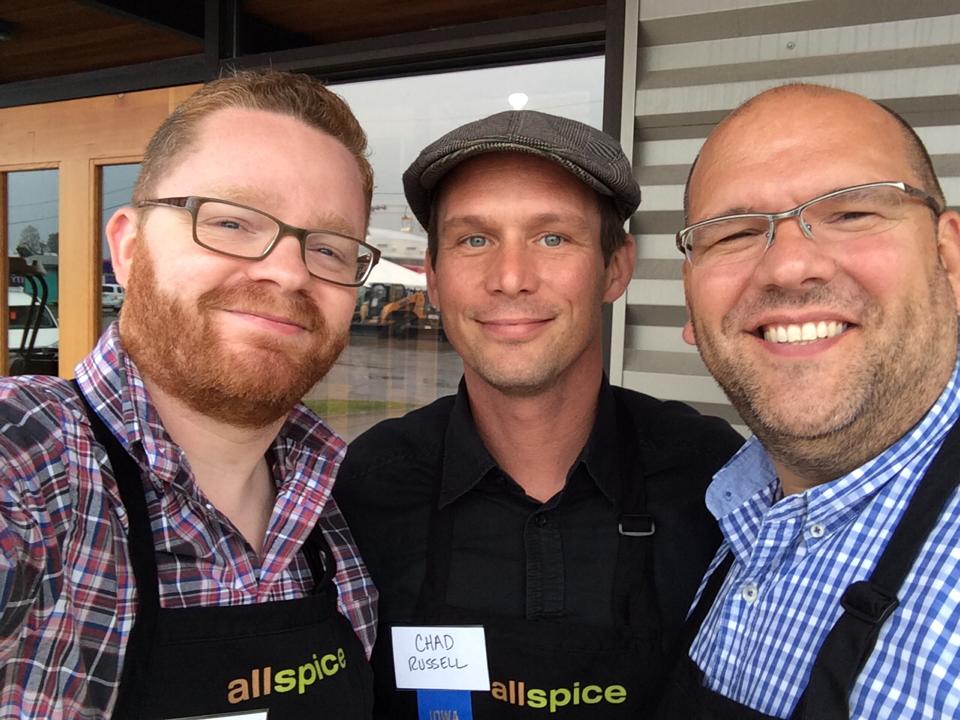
(444, 705)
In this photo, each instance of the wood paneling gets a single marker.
(59, 37)
(339, 20)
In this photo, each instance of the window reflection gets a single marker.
(116, 190)
(33, 296)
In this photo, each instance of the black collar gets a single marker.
(466, 460)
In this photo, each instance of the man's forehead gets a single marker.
(802, 111)
(796, 132)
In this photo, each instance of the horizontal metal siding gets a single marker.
(698, 60)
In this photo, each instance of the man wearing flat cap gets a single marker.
(559, 516)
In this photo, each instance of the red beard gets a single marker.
(178, 348)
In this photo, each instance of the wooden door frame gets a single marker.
(77, 137)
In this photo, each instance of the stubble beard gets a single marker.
(179, 349)
(515, 379)
(888, 389)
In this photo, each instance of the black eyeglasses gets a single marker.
(837, 216)
(239, 231)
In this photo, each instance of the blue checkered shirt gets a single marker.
(794, 557)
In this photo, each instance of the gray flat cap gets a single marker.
(592, 156)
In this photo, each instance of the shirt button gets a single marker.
(541, 520)
(817, 530)
(749, 592)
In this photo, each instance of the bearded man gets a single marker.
(168, 543)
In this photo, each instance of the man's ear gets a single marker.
(688, 334)
(948, 248)
(121, 231)
(619, 270)
(431, 280)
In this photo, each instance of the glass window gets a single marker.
(116, 189)
(398, 358)
(33, 233)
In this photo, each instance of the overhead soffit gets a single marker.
(50, 38)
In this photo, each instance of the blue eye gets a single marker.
(552, 240)
(476, 241)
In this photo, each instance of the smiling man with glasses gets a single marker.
(822, 278)
(169, 546)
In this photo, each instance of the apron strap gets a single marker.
(634, 595)
(323, 566)
(707, 597)
(126, 473)
(868, 603)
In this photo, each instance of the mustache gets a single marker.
(253, 297)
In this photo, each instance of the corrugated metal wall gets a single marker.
(697, 60)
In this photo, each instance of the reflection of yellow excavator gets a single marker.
(395, 310)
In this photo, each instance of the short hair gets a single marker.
(917, 155)
(297, 95)
(612, 234)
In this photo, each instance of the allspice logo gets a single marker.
(516, 692)
(300, 678)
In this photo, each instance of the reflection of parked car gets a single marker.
(111, 296)
(20, 316)
(32, 336)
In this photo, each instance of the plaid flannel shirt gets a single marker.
(67, 589)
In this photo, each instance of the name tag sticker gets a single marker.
(445, 657)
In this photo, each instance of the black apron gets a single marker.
(296, 658)
(551, 668)
(867, 604)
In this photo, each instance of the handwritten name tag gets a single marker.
(444, 657)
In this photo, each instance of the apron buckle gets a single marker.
(637, 525)
(867, 602)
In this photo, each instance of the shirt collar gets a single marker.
(112, 384)
(605, 448)
(466, 460)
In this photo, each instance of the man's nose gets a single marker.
(513, 269)
(283, 265)
(795, 259)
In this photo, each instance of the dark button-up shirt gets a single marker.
(512, 555)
